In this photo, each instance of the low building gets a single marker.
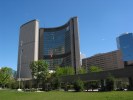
(106, 61)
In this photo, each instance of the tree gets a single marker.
(5, 76)
(13, 84)
(82, 70)
(39, 71)
(78, 85)
(110, 83)
(121, 84)
(62, 71)
(95, 69)
(94, 84)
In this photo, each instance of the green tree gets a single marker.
(82, 70)
(110, 83)
(62, 71)
(78, 85)
(94, 84)
(13, 84)
(39, 71)
(5, 76)
(95, 69)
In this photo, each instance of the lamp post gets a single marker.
(21, 51)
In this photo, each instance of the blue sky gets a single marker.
(100, 22)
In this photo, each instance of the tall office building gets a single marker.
(125, 44)
(59, 46)
(105, 61)
(28, 48)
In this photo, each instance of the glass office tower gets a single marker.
(59, 46)
(125, 44)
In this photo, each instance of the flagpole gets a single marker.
(21, 50)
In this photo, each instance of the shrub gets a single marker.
(110, 83)
(56, 83)
(78, 85)
(68, 86)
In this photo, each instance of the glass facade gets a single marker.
(125, 44)
(57, 47)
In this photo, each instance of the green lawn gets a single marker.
(56, 95)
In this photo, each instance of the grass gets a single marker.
(58, 95)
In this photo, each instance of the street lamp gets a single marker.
(21, 51)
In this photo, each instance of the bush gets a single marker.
(68, 86)
(56, 83)
(13, 84)
(78, 85)
(110, 83)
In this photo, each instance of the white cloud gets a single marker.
(82, 55)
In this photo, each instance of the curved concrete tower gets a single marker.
(28, 48)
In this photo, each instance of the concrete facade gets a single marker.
(106, 61)
(75, 43)
(34, 41)
(126, 72)
(28, 48)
